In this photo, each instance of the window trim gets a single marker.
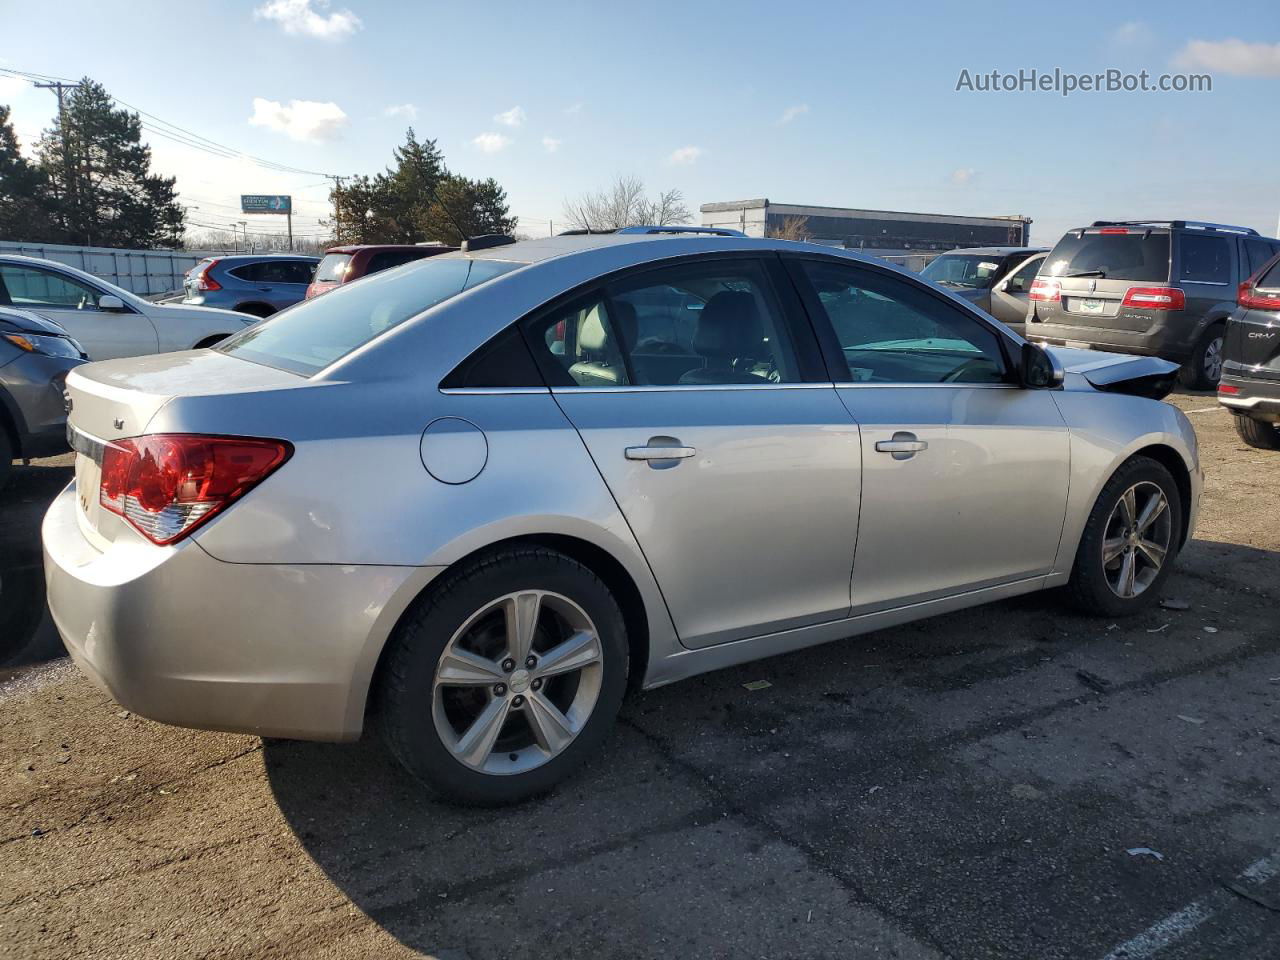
(838, 366)
(808, 353)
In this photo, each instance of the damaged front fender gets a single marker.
(1148, 377)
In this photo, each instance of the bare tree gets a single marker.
(624, 204)
(793, 228)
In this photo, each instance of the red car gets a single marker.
(344, 264)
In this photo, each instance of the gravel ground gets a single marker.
(951, 788)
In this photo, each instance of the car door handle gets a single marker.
(661, 452)
(903, 446)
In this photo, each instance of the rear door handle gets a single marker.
(661, 452)
(903, 446)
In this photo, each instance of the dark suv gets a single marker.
(1250, 385)
(1159, 288)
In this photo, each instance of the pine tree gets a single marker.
(100, 172)
(26, 212)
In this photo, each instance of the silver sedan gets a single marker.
(483, 496)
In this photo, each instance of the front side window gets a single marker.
(712, 323)
(1205, 259)
(891, 331)
(319, 331)
(28, 287)
(1020, 280)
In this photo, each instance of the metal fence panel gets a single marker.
(143, 272)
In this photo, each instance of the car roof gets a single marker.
(357, 247)
(240, 257)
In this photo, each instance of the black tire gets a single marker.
(1194, 373)
(257, 309)
(404, 694)
(6, 455)
(1257, 433)
(209, 342)
(1088, 588)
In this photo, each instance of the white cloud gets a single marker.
(305, 120)
(963, 175)
(491, 142)
(684, 156)
(401, 110)
(302, 17)
(510, 118)
(550, 144)
(1232, 56)
(574, 108)
(792, 112)
(1131, 34)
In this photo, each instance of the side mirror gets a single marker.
(110, 302)
(1040, 370)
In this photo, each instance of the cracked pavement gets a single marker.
(949, 788)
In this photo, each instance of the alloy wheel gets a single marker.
(1137, 539)
(517, 682)
(1213, 360)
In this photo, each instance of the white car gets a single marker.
(109, 321)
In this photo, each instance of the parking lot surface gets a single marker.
(1010, 781)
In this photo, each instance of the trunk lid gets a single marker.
(115, 399)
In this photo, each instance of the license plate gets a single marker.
(1089, 306)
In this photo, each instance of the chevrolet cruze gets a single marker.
(477, 499)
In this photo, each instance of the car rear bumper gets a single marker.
(177, 636)
(1162, 339)
(1254, 397)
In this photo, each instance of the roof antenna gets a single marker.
(449, 213)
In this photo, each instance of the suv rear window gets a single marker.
(319, 331)
(387, 259)
(332, 268)
(1119, 256)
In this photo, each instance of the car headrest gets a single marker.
(730, 327)
(593, 335)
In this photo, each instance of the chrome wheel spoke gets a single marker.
(1112, 548)
(574, 653)
(474, 746)
(1129, 504)
(551, 729)
(462, 668)
(1154, 506)
(1153, 552)
(522, 623)
(1128, 574)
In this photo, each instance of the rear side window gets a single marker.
(1271, 279)
(1257, 252)
(319, 331)
(1119, 256)
(332, 268)
(1020, 281)
(390, 258)
(711, 323)
(1205, 259)
(249, 272)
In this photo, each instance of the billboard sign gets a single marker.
(265, 203)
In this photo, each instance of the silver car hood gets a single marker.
(1119, 372)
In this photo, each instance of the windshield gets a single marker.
(310, 336)
(976, 271)
(1116, 256)
(332, 267)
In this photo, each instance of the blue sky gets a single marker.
(838, 104)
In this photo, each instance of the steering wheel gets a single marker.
(955, 375)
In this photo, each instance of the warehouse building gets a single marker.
(894, 235)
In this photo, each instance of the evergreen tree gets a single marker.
(101, 176)
(26, 210)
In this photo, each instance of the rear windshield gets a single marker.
(1115, 256)
(310, 336)
(976, 271)
(332, 267)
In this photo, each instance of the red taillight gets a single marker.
(1113, 230)
(1249, 297)
(1154, 298)
(206, 282)
(1046, 291)
(166, 485)
(1227, 388)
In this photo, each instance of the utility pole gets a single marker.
(244, 225)
(60, 88)
(337, 206)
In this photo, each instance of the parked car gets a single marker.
(109, 321)
(35, 357)
(1009, 296)
(971, 273)
(1159, 288)
(344, 264)
(250, 283)
(486, 494)
(1250, 385)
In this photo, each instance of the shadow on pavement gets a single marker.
(26, 631)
